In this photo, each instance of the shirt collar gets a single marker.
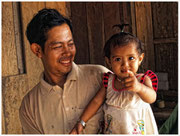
(45, 85)
(73, 74)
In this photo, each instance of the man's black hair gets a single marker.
(41, 23)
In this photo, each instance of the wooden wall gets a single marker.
(165, 40)
(20, 67)
(165, 31)
(155, 23)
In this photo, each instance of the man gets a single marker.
(54, 105)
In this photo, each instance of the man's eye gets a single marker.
(71, 44)
(117, 59)
(57, 47)
(131, 58)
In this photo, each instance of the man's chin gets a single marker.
(67, 69)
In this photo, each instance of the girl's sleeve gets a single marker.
(105, 79)
(153, 78)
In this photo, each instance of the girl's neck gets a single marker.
(118, 83)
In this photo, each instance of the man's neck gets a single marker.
(55, 80)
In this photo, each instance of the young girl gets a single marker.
(126, 93)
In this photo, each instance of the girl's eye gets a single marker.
(131, 58)
(117, 59)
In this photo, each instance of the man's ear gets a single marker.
(141, 57)
(36, 49)
(108, 62)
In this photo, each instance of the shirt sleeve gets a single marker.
(170, 126)
(28, 124)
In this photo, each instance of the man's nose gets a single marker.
(66, 49)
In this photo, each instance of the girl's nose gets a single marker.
(125, 63)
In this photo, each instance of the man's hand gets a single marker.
(77, 129)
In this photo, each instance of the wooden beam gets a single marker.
(96, 38)
(9, 54)
(34, 65)
(80, 32)
(165, 40)
(111, 17)
(145, 33)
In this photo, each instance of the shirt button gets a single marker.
(67, 109)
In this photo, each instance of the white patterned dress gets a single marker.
(125, 111)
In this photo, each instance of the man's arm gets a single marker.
(94, 105)
(28, 124)
(91, 109)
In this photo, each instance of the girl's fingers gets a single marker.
(130, 78)
(79, 129)
(127, 80)
(131, 74)
(127, 84)
(73, 131)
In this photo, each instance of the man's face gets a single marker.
(59, 51)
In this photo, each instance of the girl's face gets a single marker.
(124, 59)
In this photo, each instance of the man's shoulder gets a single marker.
(29, 100)
(32, 93)
(92, 68)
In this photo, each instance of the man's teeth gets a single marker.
(65, 61)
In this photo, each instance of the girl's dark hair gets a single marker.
(121, 39)
(41, 23)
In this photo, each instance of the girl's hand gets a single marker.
(131, 83)
(145, 90)
(73, 131)
(77, 129)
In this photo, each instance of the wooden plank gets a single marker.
(3, 120)
(149, 37)
(163, 19)
(13, 90)
(133, 18)
(111, 17)
(18, 38)
(175, 19)
(170, 98)
(9, 56)
(95, 23)
(156, 109)
(60, 6)
(162, 115)
(168, 95)
(145, 34)
(168, 62)
(167, 40)
(34, 65)
(125, 12)
(80, 32)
